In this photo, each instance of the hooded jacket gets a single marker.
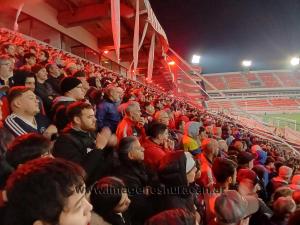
(191, 130)
(136, 178)
(261, 157)
(175, 189)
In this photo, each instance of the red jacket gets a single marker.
(128, 128)
(153, 153)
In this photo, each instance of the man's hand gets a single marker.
(171, 144)
(113, 141)
(50, 131)
(103, 138)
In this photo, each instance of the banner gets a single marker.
(116, 26)
(16, 25)
(136, 39)
(151, 57)
(156, 26)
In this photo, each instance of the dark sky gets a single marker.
(224, 32)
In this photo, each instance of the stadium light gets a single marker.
(172, 63)
(196, 59)
(247, 63)
(295, 61)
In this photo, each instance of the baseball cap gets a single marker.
(232, 207)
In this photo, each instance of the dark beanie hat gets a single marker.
(69, 83)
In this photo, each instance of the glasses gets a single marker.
(5, 64)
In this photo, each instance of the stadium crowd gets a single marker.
(81, 145)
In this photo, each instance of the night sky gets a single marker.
(224, 32)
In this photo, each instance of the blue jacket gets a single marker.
(107, 115)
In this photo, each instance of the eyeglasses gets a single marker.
(5, 64)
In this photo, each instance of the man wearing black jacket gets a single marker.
(80, 144)
(132, 171)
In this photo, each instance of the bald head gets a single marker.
(210, 147)
(223, 145)
(162, 117)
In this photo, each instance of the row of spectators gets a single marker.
(81, 145)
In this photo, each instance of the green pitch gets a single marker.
(291, 116)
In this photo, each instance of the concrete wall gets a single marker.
(47, 14)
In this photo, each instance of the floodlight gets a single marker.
(196, 59)
(295, 61)
(247, 63)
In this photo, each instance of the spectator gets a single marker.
(235, 148)
(81, 75)
(172, 217)
(71, 68)
(43, 57)
(284, 191)
(248, 182)
(156, 145)
(295, 184)
(51, 196)
(78, 142)
(29, 61)
(177, 171)
(270, 164)
(283, 207)
(94, 82)
(110, 200)
(245, 160)
(27, 147)
(190, 140)
(72, 91)
(227, 205)
(27, 79)
(210, 151)
(202, 134)
(9, 49)
(132, 171)
(163, 117)
(6, 71)
(224, 170)
(149, 112)
(260, 157)
(19, 56)
(25, 116)
(283, 179)
(107, 111)
(132, 124)
(54, 77)
(248, 185)
(223, 148)
(42, 88)
(262, 174)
